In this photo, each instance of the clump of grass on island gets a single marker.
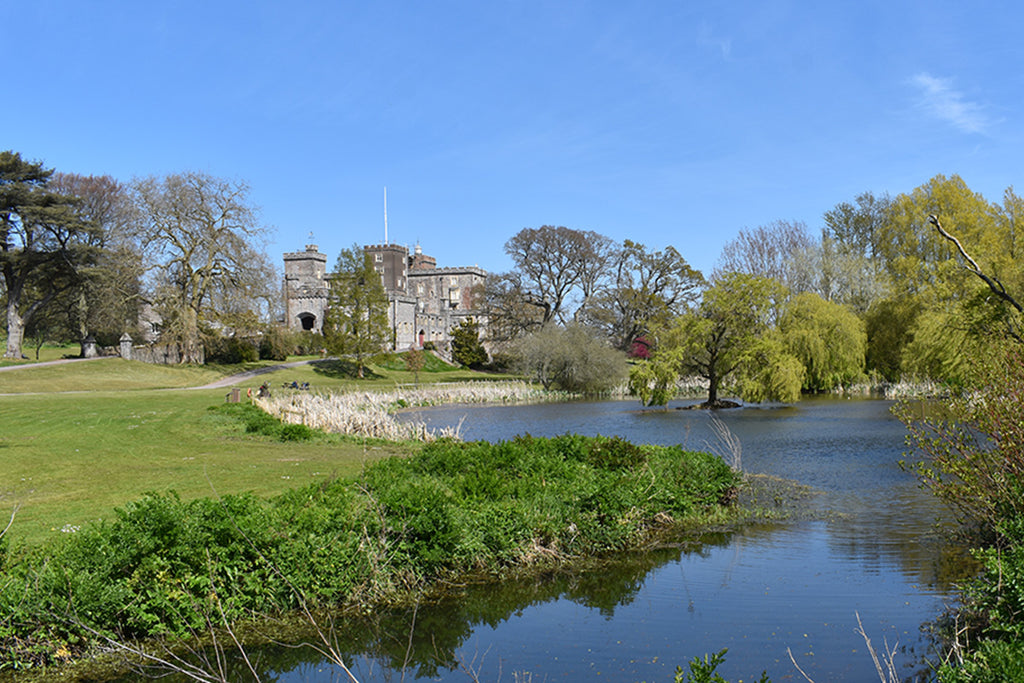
(370, 414)
(166, 567)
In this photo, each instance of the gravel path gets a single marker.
(219, 384)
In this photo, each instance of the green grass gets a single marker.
(71, 458)
(79, 439)
(105, 374)
(48, 352)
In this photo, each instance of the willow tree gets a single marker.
(356, 323)
(729, 340)
(827, 338)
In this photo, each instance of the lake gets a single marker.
(878, 549)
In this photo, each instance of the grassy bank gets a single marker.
(69, 458)
(165, 566)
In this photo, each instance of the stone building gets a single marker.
(424, 302)
(305, 289)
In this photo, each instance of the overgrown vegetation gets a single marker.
(974, 461)
(163, 564)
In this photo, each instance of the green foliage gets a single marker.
(654, 381)
(889, 324)
(47, 245)
(990, 661)
(768, 372)
(257, 421)
(705, 670)
(467, 350)
(974, 448)
(726, 339)
(230, 350)
(356, 322)
(938, 348)
(164, 566)
(276, 343)
(569, 358)
(828, 339)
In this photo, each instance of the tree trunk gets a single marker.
(15, 331)
(713, 389)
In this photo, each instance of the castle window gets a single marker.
(378, 257)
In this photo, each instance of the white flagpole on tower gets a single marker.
(385, 215)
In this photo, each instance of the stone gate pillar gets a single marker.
(126, 346)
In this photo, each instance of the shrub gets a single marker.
(277, 343)
(231, 350)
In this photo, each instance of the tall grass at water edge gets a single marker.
(371, 414)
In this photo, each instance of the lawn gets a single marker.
(80, 439)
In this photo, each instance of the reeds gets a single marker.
(371, 413)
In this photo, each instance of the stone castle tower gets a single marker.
(305, 289)
(424, 302)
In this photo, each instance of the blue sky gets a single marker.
(662, 122)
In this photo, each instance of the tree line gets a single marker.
(87, 254)
(880, 292)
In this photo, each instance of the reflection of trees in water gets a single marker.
(422, 640)
(901, 532)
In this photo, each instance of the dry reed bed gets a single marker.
(371, 413)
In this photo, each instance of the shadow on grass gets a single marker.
(343, 369)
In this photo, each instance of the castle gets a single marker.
(424, 302)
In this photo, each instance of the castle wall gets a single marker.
(424, 302)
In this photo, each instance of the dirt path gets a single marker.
(62, 361)
(219, 384)
(249, 374)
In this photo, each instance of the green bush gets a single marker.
(230, 350)
(277, 343)
(164, 566)
(257, 421)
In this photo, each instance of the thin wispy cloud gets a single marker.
(941, 100)
(706, 38)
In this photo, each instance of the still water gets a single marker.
(759, 592)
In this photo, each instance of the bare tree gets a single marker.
(204, 239)
(769, 251)
(552, 262)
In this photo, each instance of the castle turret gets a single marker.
(305, 289)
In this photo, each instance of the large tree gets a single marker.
(729, 336)
(203, 236)
(108, 303)
(555, 263)
(827, 338)
(45, 244)
(646, 290)
(356, 323)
